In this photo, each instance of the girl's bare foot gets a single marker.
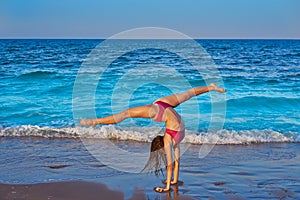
(89, 122)
(173, 182)
(214, 87)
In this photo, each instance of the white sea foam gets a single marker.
(146, 134)
(241, 137)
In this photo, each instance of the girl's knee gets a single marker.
(125, 114)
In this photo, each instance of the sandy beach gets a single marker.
(254, 171)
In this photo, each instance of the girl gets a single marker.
(162, 110)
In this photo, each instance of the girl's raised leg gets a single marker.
(136, 112)
(176, 99)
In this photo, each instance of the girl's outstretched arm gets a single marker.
(175, 167)
(168, 150)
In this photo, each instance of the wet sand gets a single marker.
(254, 171)
(234, 172)
(74, 190)
(59, 191)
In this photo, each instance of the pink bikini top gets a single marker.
(162, 106)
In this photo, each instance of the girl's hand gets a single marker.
(173, 182)
(161, 190)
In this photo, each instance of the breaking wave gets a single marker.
(146, 134)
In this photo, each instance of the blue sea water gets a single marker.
(262, 79)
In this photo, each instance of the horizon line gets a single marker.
(91, 38)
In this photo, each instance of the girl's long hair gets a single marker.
(157, 159)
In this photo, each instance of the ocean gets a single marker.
(47, 86)
(261, 78)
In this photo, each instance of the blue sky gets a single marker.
(195, 18)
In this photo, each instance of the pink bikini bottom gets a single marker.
(176, 135)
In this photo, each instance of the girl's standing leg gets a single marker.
(176, 164)
(176, 99)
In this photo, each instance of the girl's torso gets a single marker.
(168, 115)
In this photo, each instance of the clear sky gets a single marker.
(195, 18)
